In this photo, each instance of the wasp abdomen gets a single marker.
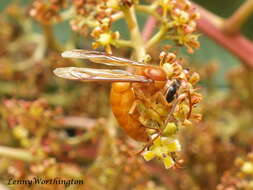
(122, 98)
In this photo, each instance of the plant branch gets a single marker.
(233, 24)
(148, 28)
(14, 153)
(134, 32)
(123, 43)
(159, 35)
(117, 16)
(211, 26)
(149, 9)
(50, 38)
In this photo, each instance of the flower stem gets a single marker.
(211, 25)
(123, 43)
(149, 9)
(233, 24)
(14, 153)
(136, 38)
(50, 38)
(157, 37)
(148, 28)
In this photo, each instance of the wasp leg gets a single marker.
(141, 96)
(133, 107)
(159, 96)
(172, 109)
(148, 144)
(190, 105)
(178, 163)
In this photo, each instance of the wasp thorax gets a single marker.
(155, 74)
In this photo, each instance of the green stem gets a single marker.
(233, 24)
(81, 138)
(123, 43)
(157, 37)
(14, 153)
(136, 38)
(149, 9)
(50, 38)
(117, 16)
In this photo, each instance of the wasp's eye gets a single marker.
(171, 93)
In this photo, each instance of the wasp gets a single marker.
(140, 100)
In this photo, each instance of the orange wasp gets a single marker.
(140, 100)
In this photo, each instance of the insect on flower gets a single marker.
(142, 100)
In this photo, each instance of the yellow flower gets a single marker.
(161, 148)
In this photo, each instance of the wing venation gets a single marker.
(106, 75)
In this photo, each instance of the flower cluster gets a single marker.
(27, 118)
(104, 36)
(240, 177)
(122, 163)
(47, 11)
(179, 22)
(179, 112)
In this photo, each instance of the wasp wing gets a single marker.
(106, 75)
(103, 58)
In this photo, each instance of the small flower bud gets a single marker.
(170, 129)
(196, 116)
(195, 99)
(104, 39)
(195, 16)
(187, 123)
(168, 68)
(239, 162)
(20, 132)
(184, 17)
(188, 29)
(116, 35)
(162, 55)
(96, 32)
(187, 5)
(194, 78)
(176, 12)
(147, 58)
(171, 57)
(247, 168)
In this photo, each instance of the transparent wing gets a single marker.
(103, 58)
(106, 75)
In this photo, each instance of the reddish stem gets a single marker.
(236, 44)
(148, 28)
